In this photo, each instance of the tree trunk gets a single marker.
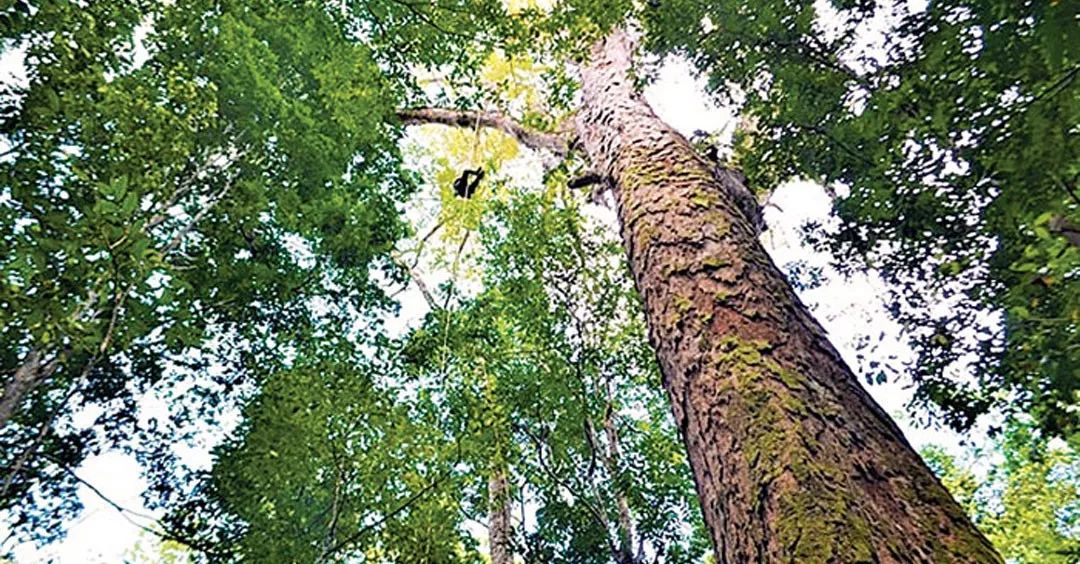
(792, 459)
(499, 518)
(30, 372)
(611, 463)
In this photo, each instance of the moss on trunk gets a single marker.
(792, 459)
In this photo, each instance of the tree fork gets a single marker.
(791, 457)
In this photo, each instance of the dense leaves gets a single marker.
(200, 202)
(326, 464)
(153, 208)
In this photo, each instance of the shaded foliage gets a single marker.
(1027, 502)
(184, 212)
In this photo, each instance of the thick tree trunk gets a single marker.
(792, 459)
(499, 518)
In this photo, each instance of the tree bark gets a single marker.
(792, 459)
(30, 372)
(499, 518)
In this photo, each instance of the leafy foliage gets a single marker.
(153, 209)
(201, 199)
(326, 464)
(1029, 502)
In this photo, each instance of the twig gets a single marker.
(416, 279)
(123, 510)
(179, 236)
(601, 520)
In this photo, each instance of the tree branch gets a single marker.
(124, 511)
(554, 142)
(161, 531)
(415, 278)
(32, 370)
(1062, 226)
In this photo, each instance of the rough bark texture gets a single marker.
(499, 518)
(792, 459)
(28, 375)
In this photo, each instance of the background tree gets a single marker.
(590, 420)
(164, 215)
(1027, 502)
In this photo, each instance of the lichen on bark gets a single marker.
(791, 457)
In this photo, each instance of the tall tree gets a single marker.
(792, 458)
(947, 131)
(552, 356)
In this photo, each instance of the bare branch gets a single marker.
(93, 489)
(554, 142)
(1062, 226)
(180, 235)
(214, 161)
(416, 279)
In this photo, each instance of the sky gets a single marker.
(849, 309)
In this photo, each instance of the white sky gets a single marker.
(847, 308)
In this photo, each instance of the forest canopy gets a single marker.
(404, 281)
